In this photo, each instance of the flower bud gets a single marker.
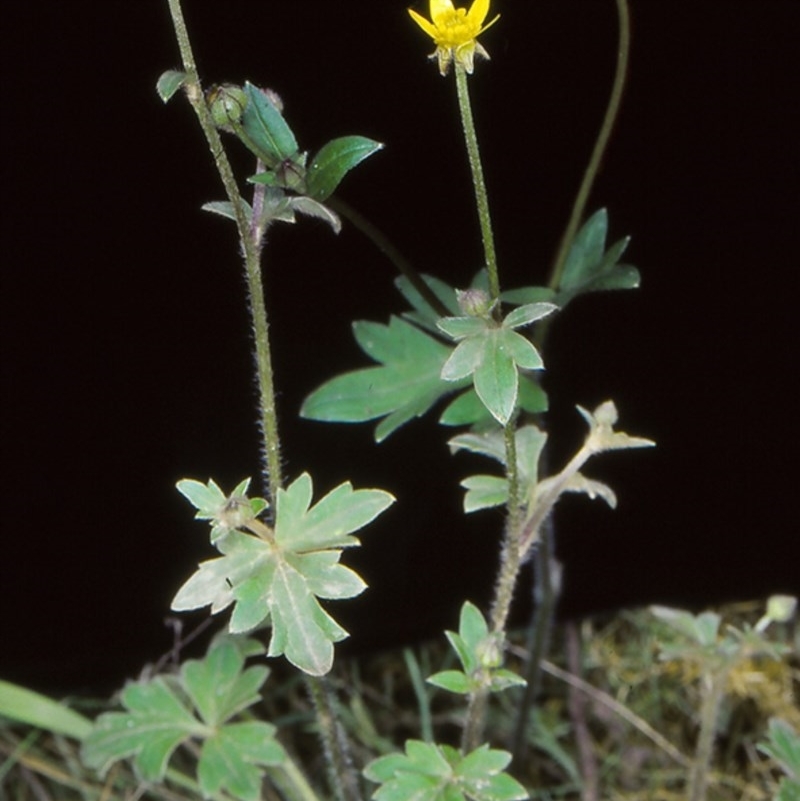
(226, 102)
(474, 302)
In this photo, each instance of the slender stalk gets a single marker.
(510, 554)
(542, 622)
(251, 253)
(341, 773)
(481, 198)
(538, 641)
(713, 693)
(251, 236)
(379, 239)
(592, 168)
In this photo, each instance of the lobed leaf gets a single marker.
(279, 576)
(405, 385)
(432, 772)
(230, 759)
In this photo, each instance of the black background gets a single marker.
(126, 360)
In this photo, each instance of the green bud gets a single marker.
(226, 102)
(781, 608)
(474, 302)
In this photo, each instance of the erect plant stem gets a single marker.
(251, 253)
(481, 197)
(510, 554)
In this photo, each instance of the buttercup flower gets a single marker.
(454, 30)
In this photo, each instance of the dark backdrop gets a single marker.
(125, 348)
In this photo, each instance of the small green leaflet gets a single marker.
(280, 576)
(165, 712)
(485, 491)
(431, 772)
(481, 657)
(334, 160)
(405, 385)
(266, 132)
(169, 82)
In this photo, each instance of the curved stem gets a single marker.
(251, 253)
(481, 198)
(612, 110)
(381, 241)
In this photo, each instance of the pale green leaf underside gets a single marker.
(280, 579)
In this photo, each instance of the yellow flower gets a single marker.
(454, 31)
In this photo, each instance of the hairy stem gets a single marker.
(251, 254)
(341, 773)
(481, 198)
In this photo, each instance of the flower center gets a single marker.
(454, 29)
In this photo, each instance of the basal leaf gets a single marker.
(155, 724)
(431, 772)
(334, 160)
(231, 759)
(407, 382)
(218, 686)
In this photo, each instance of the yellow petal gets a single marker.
(441, 10)
(477, 13)
(423, 23)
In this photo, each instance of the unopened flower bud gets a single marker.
(227, 103)
(474, 302)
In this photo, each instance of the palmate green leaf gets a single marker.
(230, 759)
(783, 746)
(334, 160)
(280, 576)
(405, 385)
(589, 267)
(155, 724)
(431, 772)
(158, 719)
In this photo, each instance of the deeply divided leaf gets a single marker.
(405, 385)
(278, 577)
